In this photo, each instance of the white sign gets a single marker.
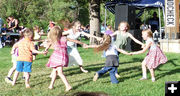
(170, 13)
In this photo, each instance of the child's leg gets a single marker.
(144, 70)
(53, 78)
(100, 73)
(103, 71)
(63, 78)
(152, 74)
(116, 73)
(15, 77)
(112, 75)
(82, 69)
(26, 74)
(51, 75)
(75, 54)
(12, 69)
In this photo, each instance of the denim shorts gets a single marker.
(23, 66)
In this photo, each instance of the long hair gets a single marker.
(105, 45)
(55, 34)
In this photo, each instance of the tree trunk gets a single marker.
(94, 19)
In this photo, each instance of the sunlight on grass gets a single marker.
(129, 70)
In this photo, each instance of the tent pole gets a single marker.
(105, 17)
(160, 22)
(144, 16)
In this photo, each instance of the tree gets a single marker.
(94, 18)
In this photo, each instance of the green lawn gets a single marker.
(129, 70)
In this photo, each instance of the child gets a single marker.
(154, 58)
(24, 59)
(37, 38)
(59, 57)
(111, 63)
(74, 56)
(14, 56)
(122, 36)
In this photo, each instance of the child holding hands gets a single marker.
(59, 57)
(112, 62)
(24, 59)
(154, 57)
(122, 35)
(14, 56)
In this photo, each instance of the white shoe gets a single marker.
(143, 78)
(117, 75)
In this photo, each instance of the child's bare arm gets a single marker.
(14, 47)
(76, 41)
(113, 34)
(135, 40)
(123, 51)
(48, 46)
(91, 46)
(89, 35)
(65, 33)
(39, 52)
(147, 46)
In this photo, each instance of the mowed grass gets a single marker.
(129, 70)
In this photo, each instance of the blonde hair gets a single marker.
(55, 34)
(75, 23)
(28, 33)
(124, 22)
(105, 45)
(149, 32)
(36, 28)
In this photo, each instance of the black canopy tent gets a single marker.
(139, 4)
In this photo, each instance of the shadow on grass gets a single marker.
(82, 82)
(177, 70)
(131, 71)
(169, 61)
(90, 94)
(73, 71)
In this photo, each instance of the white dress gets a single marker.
(74, 56)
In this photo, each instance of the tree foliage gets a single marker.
(38, 12)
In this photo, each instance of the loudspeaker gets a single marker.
(131, 45)
(125, 13)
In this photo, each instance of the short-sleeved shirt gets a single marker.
(25, 48)
(74, 36)
(111, 50)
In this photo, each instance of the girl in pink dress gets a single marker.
(59, 57)
(154, 57)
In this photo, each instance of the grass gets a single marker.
(129, 70)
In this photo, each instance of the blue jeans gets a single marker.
(111, 73)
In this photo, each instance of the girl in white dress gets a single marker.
(74, 56)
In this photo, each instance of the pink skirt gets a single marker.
(155, 57)
(58, 58)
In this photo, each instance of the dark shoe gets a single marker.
(23, 78)
(8, 80)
